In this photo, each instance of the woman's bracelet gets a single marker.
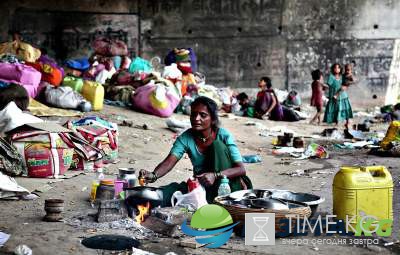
(155, 177)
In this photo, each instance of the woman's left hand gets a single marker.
(206, 179)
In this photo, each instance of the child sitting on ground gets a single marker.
(246, 106)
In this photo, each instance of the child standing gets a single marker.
(335, 83)
(345, 111)
(317, 87)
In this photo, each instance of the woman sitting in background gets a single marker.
(267, 104)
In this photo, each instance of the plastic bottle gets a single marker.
(96, 183)
(224, 188)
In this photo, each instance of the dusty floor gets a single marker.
(145, 148)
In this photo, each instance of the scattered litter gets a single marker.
(84, 188)
(29, 197)
(276, 131)
(22, 249)
(3, 238)
(10, 188)
(356, 145)
(313, 151)
(332, 133)
(137, 251)
(251, 159)
(315, 248)
(355, 134)
(391, 243)
(132, 161)
(298, 172)
(287, 150)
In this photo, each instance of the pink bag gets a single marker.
(157, 99)
(32, 90)
(107, 47)
(20, 74)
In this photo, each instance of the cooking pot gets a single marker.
(142, 194)
(128, 175)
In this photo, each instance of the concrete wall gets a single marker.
(238, 41)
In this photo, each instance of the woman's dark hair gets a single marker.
(316, 74)
(333, 67)
(242, 96)
(267, 81)
(211, 107)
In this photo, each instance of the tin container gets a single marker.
(128, 175)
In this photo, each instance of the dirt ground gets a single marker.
(140, 148)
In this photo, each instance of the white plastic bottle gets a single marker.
(224, 188)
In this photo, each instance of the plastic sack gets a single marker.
(107, 47)
(140, 64)
(50, 74)
(23, 50)
(172, 72)
(44, 154)
(192, 200)
(157, 99)
(63, 97)
(12, 117)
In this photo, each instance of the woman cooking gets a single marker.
(212, 151)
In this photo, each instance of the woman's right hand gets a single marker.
(149, 177)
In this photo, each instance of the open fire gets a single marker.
(143, 211)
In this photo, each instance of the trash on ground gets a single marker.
(313, 151)
(287, 150)
(251, 159)
(22, 249)
(10, 188)
(3, 238)
(356, 145)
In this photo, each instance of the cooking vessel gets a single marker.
(142, 194)
(309, 199)
(128, 175)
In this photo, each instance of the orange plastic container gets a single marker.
(94, 93)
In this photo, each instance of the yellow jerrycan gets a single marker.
(94, 93)
(362, 191)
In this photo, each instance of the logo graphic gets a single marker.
(259, 229)
(216, 222)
